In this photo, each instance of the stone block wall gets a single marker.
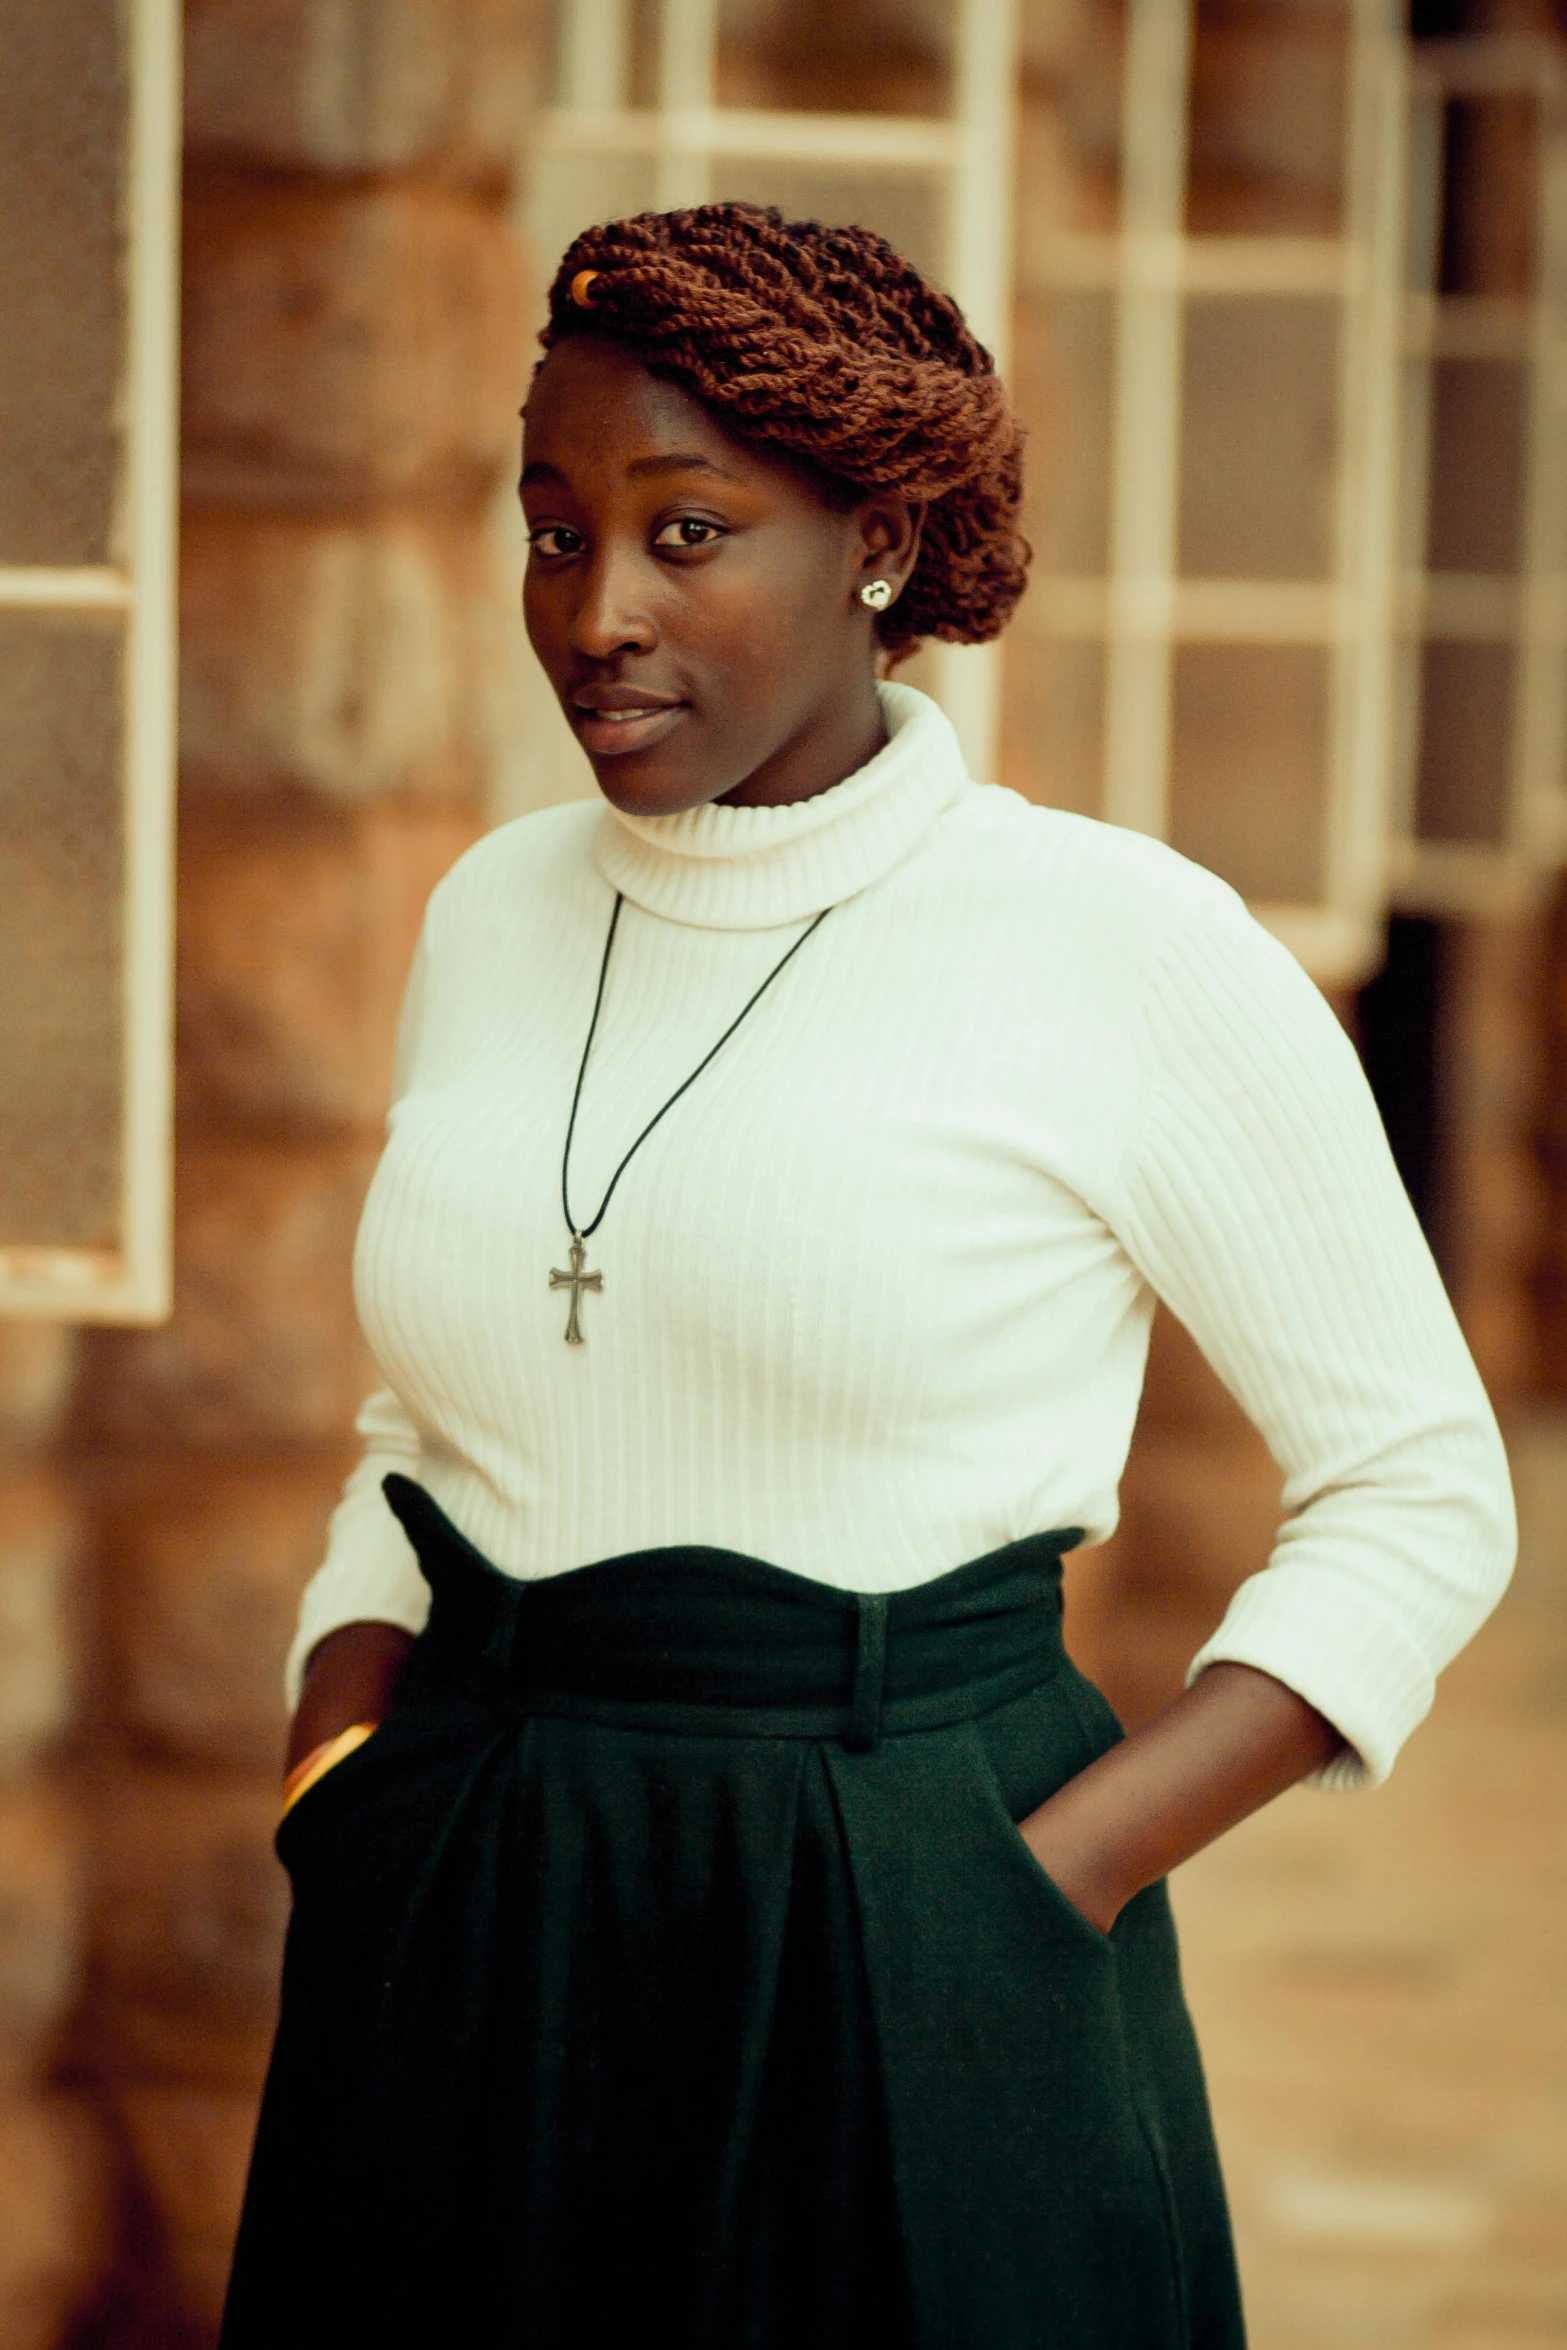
(356, 314)
(53, 2168)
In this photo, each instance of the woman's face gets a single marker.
(694, 604)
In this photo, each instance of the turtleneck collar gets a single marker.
(721, 868)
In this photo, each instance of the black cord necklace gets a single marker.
(578, 1279)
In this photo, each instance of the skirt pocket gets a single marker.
(1060, 1910)
(323, 1797)
(1033, 2212)
(1022, 1756)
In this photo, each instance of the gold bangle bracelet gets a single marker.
(320, 1760)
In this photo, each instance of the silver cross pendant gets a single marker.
(576, 1281)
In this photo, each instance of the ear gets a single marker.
(888, 533)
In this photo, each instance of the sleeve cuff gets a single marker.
(1308, 1627)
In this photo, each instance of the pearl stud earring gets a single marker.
(877, 593)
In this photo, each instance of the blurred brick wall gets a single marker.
(53, 2172)
(355, 318)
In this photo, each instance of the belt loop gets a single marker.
(501, 1646)
(870, 1672)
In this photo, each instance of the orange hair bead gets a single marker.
(579, 287)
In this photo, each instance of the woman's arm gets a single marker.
(1232, 1742)
(369, 1583)
(1257, 1196)
(350, 1678)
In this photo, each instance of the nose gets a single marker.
(612, 615)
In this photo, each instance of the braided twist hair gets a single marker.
(825, 345)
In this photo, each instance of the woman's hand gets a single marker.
(1232, 1742)
(350, 1678)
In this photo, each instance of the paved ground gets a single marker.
(1381, 1987)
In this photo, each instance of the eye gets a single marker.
(553, 538)
(688, 530)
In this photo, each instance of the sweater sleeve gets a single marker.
(1260, 1201)
(370, 1573)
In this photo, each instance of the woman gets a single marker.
(744, 1926)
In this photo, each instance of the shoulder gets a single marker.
(1129, 877)
(530, 870)
(1155, 960)
(539, 851)
(1115, 902)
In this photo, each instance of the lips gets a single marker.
(612, 720)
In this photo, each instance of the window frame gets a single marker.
(133, 1282)
(1143, 608)
(1527, 609)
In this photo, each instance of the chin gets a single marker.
(656, 783)
(647, 787)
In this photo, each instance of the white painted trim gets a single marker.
(39, 587)
(1166, 261)
(67, 1285)
(980, 220)
(851, 142)
(1146, 434)
(1360, 775)
(152, 384)
(687, 42)
(595, 55)
(1196, 611)
(980, 226)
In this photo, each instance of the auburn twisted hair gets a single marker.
(824, 345)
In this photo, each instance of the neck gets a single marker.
(833, 744)
(760, 866)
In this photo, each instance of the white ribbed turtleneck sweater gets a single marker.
(877, 1291)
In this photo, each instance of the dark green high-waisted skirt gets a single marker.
(668, 1967)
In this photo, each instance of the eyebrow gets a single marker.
(677, 461)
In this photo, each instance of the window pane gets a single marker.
(904, 207)
(1465, 743)
(1052, 746)
(1267, 120)
(61, 875)
(62, 111)
(571, 192)
(1490, 196)
(1248, 766)
(1063, 380)
(1258, 434)
(1477, 464)
(876, 57)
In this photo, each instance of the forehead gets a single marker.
(593, 399)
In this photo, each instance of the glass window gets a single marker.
(89, 151)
